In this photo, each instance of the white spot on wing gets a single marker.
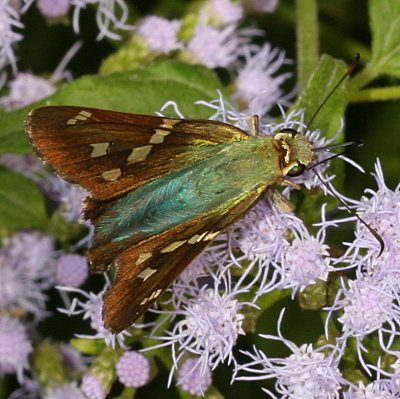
(171, 247)
(112, 174)
(99, 149)
(146, 273)
(142, 257)
(139, 154)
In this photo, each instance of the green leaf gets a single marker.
(385, 27)
(22, 205)
(328, 73)
(140, 91)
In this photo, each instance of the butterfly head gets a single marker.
(297, 151)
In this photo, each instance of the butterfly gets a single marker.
(160, 189)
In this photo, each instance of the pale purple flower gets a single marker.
(306, 373)
(256, 87)
(192, 379)
(27, 88)
(262, 234)
(92, 387)
(15, 347)
(264, 5)
(160, 34)
(66, 194)
(375, 390)
(72, 270)
(221, 12)
(213, 47)
(210, 319)
(381, 209)
(26, 260)
(9, 23)
(25, 164)
(91, 309)
(133, 369)
(305, 260)
(66, 391)
(367, 304)
(110, 14)
(53, 8)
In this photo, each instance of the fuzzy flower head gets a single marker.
(381, 209)
(92, 387)
(72, 270)
(220, 13)
(160, 34)
(91, 309)
(192, 379)
(9, 23)
(305, 260)
(367, 304)
(53, 8)
(25, 89)
(110, 14)
(256, 87)
(306, 373)
(374, 390)
(14, 347)
(213, 47)
(66, 391)
(26, 262)
(133, 369)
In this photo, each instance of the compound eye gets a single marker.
(297, 170)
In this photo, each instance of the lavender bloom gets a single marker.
(375, 390)
(110, 14)
(26, 260)
(68, 195)
(381, 209)
(92, 309)
(213, 47)
(160, 34)
(14, 347)
(264, 5)
(92, 387)
(72, 270)
(192, 379)
(255, 87)
(306, 373)
(66, 391)
(9, 21)
(220, 13)
(27, 165)
(53, 8)
(27, 88)
(133, 369)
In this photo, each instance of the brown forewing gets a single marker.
(81, 144)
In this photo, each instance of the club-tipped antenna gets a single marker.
(349, 71)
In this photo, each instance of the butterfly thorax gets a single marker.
(294, 150)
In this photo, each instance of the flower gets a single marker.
(72, 270)
(9, 21)
(53, 8)
(306, 373)
(255, 86)
(133, 369)
(192, 379)
(110, 13)
(65, 391)
(14, 347)
(160, 34)
(26, 261)
(92, 387)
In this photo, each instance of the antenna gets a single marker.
(349, 71)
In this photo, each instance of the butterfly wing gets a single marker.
(110, 153)
(146, 269)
